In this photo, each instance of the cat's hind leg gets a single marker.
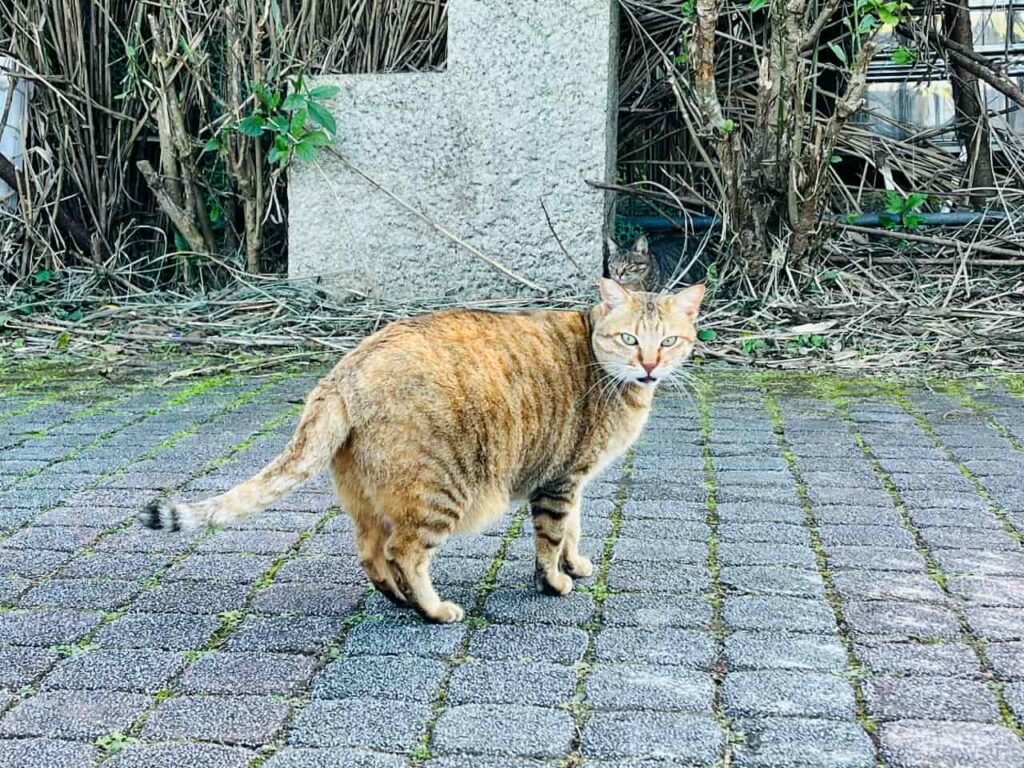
(371, 533)
(409, 550)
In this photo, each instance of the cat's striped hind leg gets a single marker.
(551, 508)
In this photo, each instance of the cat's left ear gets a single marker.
(641, 245)
(687, 301)
(612, 294)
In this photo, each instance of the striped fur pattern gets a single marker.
(636, 269)
(434, 425)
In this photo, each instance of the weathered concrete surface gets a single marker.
(526, 112)
(774, 589)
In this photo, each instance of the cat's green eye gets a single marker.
(669, 341)
(628, 339)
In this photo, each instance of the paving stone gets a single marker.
(54, 538)
(30, 564)
(656, 611)
(507, 605)
(766, 580)
(285, 634)
(92, 594)
(677, 738)
(243, 720)
(251, 542)
(91, 517)
(977, 538)
(1014, 693)
(847, 515)
(323, 569)
(496, 682)
(1007, 659)
(230, 568)
(45, 627)
(46, 753)
(771, 533)
(673, 578)
(308, 599)
(137, 540)
(20, 665)
(191, 597)
(666, 510)
(787, 692)
(920, 659)
(505, 729)
(731, 553)
(895, 698)
(645, 687)
(779, 613)
(694, 650)
(751, 512)
(790, 742)
(929, 744)
(247, 673)
(74, 714)
(381, 677)
(121, 565)
(901, 620)
(333, 758)
(161, 631)
(855, 557)
(133, 671)
(887, 585)
(978, 561)
(373, 638)
(181, 756)
(880, 536)
(989, 590)
(760, 650)
(664, 529)
(498, 642)
(996, 623)
(360, 722)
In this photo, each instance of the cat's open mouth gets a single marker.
(648, 380)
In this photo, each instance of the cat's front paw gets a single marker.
(556, 583)
(578, 566)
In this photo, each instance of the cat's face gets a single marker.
(640, 338)
(630, 268)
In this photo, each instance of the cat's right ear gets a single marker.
(612, 294)
(613, 248)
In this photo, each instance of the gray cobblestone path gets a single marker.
(792, 573)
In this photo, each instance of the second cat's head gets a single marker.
(640, 338)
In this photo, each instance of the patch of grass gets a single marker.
(114, 742)
(70, 651)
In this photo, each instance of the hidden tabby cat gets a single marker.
(433, 426)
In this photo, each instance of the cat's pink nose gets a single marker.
(649, 367)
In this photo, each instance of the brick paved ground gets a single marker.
(791, 573)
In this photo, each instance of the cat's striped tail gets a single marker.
(323, 429)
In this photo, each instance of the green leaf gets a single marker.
(817, 341)
(322, 92)
(893, 202)
(728, 126)
(757, 5)
(867, 23)
(835, 159)
(213, 145)
(293, 102)
(838, 52)
(323, 117)
(914, 201)
(63, 339)
(904, 56)
(214, 214)
(317, 139)
(43, 276)
(252, 125)
(707, 334)
(912, 220)
(887, 16)
(305, 151)
(298, 123)
(279, 124)
(273, 155)
(75, 316)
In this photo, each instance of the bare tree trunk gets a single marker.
(972, 123)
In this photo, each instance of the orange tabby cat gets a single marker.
(432, 426)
